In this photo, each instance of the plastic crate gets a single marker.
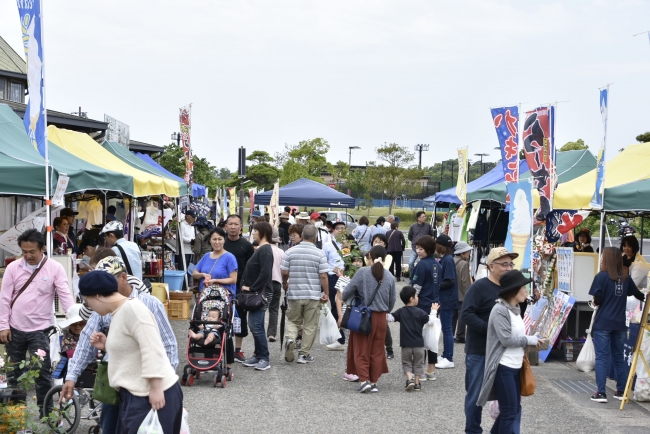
(179, 310)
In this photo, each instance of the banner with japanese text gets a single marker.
(185, 118)
(506, 123)
(597, 199)
(539, 148)
(35, 119)
(233, 200)
(461, 183)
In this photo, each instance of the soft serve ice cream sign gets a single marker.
(520, 224)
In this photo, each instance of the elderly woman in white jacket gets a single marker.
(504, 355)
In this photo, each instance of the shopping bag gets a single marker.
(586, 361)
(493, 409)
(329, 330)
(185, 425)
(431, 335)
(150, 424)
(236, 323)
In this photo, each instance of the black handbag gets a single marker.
(250, 301)
(359, 318)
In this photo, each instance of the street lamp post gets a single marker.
(419, 148)
(482, 167)
(351, 148)
(177, 138)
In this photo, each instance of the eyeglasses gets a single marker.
(505, 264)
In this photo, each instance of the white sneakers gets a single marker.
(444, 364)
(336, 346)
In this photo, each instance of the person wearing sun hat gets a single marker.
(71, 328)
(506, 340)
(477, 305)
(462, 251)
(134, 348)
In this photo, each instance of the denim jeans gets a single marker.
(606, 342)
(30, 342)
(507, 385)
(256, 325)
(274, 306)
(474, 369)
(446, 317)
(412, 259)
(108, 419)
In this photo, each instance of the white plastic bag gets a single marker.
(642, 386)
(329, 330)
(431, 335)
(150, 424)
(185, 425)
(493, 409)
(586, 361)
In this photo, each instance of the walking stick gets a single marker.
(283, 308)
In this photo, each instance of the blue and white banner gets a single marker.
(35, 117)
(520, 225)
(597, 199)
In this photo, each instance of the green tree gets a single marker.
(578, 145)
(204, 174)
(397, 176)
(340, 172)
(643, 138)
(358, 182)
(307, 159)
(447, 171)
(172, 159)
(262, 174)
(224, 174)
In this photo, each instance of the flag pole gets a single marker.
(48, 201)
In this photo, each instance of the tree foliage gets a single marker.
(398, 176)
(447, 171)
(262, 174)
(643, 138)
(172, 159)
(359, 183)
(307, 159)
(578, 145)
(340, 172)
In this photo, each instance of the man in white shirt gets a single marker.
(390, 219)
(292, 220)
(127, 250)
(323, 235)
(187, 234)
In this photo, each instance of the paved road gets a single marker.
(314, 398)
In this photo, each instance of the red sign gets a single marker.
(332, 185)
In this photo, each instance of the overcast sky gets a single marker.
(357, 73)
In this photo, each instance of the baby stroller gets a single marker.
(200, 358)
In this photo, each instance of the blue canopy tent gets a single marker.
(197, 189)
(494, 176)
(305, 192)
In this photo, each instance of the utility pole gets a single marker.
(350, 158)
(419, 149)
(242, 175)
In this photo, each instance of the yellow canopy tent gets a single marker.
(631, 165)
(84, 147)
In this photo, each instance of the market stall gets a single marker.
(305, 192)
(198, 190)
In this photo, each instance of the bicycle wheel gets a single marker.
(66, 415)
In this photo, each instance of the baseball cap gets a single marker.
(444, 240)
(112, 264)
(65, 212)
(190, 212)
(499, 252)
(257, 213)
(112, 227)
(314, 216)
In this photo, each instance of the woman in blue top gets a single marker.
(448, 299)
(426, 280)
(610, 289)
(362, 235)
(218, 267)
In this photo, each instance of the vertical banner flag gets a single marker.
(251, 195)
(35, 119)
(217, 207)
(461, 184)
(597, 198)
(539, 147)
(185, 118)
(233, 200)
(506, 123)
(520, 224)
(274, 205)
(225, 203)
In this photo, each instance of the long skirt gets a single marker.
(366, 354)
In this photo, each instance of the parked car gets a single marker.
(341, 216)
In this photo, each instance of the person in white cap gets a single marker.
(71, 328)
(462, 250)
(129, 251)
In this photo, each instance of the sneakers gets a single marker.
(299, 343)
(390, 355)
(351, 377)
(289, 346)
(373, 389)
(336, 346)
(251, 362)
(417, 388)
(305, 358)
(428, 376)
(619, 395)
(444, 364)
(410, 385)
(271, 338)
(262, 365)
(239, 357)
(599, 397)
(364, 387)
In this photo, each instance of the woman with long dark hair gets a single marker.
(375, 288)
(610, 290)
(448, 299)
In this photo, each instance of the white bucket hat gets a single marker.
(72, 316)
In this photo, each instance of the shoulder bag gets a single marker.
(358, 318)
(102, 391)
(250, 301)
(527, 378)
(27, 283)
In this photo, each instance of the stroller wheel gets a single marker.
(223, 381)
(190, 381)
(231, 375)
(198, 374)
(184, 380)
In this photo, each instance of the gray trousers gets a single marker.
(413, 360)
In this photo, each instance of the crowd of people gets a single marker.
(307, 260)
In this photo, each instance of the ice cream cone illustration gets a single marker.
(520, 227)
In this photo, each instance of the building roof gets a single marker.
(10, 60)
(62, 120)
(145, 148)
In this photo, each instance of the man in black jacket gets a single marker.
(477, 305)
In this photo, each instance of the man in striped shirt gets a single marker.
(86, 353)
(304, 272)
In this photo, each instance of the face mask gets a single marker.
(318, 224)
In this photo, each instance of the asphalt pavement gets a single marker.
(313, 398)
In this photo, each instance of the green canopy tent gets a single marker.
(26, 166)
(125, 155)
(570, 165)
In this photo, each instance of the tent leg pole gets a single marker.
(641, 247)
(603, 231)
